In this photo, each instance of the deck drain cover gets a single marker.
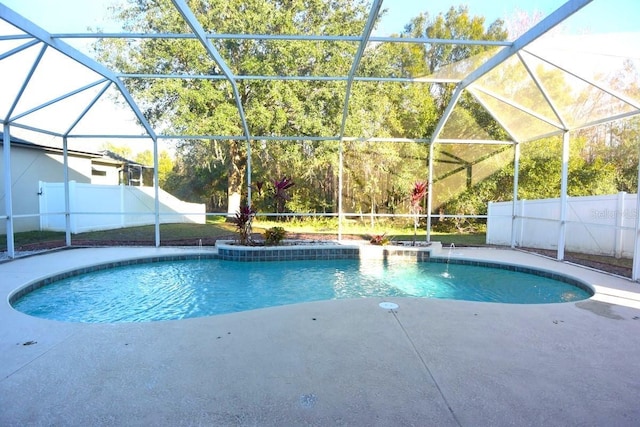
(389, 305)
(308, 400)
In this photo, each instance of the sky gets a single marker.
(605, 13)
(63, 15)
(60, 16)
(609, 15)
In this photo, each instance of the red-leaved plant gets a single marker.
(281, 196)
(243, 218)
(418, 192)
(379, 239)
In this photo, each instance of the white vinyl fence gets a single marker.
(103, 207)
(599, 225)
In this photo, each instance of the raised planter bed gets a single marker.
(309, 250)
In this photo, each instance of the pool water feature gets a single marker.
(179, 289)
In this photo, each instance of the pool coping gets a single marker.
(487, 360)
(229, 251)
(300, 251)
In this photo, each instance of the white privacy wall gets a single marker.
(102, 207)
(601, 225)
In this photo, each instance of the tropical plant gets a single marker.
(280, 194)
(274, 235)
(243, 219)
(379, 239)
(418, 192)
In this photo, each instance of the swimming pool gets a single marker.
(169, 290)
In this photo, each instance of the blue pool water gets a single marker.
(193, 288)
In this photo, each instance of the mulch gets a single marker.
(206, 241)
(576, 258)
(211, 241)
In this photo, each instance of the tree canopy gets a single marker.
(377, 175)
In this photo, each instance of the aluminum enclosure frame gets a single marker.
(34, 35)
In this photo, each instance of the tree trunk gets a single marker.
(237, 170)
(373, 210)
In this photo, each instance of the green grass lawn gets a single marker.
(213, 228)
(216, 227)
(393, 231)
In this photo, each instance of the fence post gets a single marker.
(562, 235)
(618, 240)
(73, 207)
(41, 206)
(523, 204)
(8, 198)
(635, 272)
(514, 203)
(122, 215)
(67, 220)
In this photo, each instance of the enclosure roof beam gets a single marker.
(197, 29)
(67, 50)
(632, 102)
(28, 77)
(538, 30)
(543, 91)
(368, 28)
(287, 78)
(519, 107)
(15, 50)
(282, 37)
(59, 98)
(501, 122)
(88, 107)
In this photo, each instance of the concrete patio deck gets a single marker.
(345, 362)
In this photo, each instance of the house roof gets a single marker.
(18, 142)
(120, 159)
(105, 156)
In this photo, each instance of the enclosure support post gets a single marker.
(67, 203)
(635, 272)
(430, 192)
(340, 172)
(249, 196)
(8, 204)
(563, 196)
(516, 172)
(156, 191)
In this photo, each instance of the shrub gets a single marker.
(274, 235)
(379, 239)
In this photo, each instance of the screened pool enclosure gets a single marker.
(546, 82)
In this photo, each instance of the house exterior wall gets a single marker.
(28, 167)
(104, 174)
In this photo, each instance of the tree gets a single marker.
(121, 150)
(615, 145)
(455, 24)
(165, 164)
(207, 106)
